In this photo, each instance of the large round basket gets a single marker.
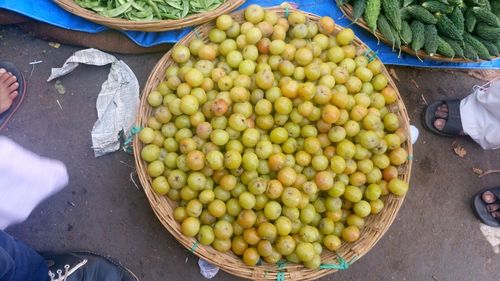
(375, 227)
(348, 12)
(149, 26)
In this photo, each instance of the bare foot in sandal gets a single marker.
(441, 114)
(8, 89)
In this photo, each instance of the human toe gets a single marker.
(10, 80)
(13, 87)
(439, 124)
(488, 197)
(13, 95)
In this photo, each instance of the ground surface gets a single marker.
(434, 237)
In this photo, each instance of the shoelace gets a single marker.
(67, 271)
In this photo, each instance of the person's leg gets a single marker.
(18, 262)
(480, 113)
(476, 115)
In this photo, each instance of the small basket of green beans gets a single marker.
(149, 15)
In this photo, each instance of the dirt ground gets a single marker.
(435, 236)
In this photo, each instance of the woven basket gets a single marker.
(149, 26)
(375, 227)
(347, 10)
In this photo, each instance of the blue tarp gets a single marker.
(47, 11)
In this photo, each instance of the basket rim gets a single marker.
(148, 26)
(228, 262)
(347, 10)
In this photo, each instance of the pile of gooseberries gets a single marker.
(277, 137)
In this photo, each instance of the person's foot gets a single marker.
(8, 89)
(85, 266)
(441, 115)
(492, 204)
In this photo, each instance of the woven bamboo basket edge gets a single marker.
(149, 26)
(163, 206)
(347, 11)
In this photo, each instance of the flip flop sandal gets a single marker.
(7, 115)
(480, 209)
(453, 126)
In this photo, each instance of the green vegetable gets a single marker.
(437, 7)
(455, 2)
(395, 35)
(445, 49)
(418, 34)
(455, 45)
(458, 19)
(146, 10)
(470, 53)
(481, 50)
(405, 15)
(470, 20)
(492, 48)
(392, 13)
(495, 7)
(113, 13)
(372, 12)
(483, 15)
(406, 34)
(487, 32)
(431, 39)
(407, 2)
(446, 27)
(482, 3)
(385, 28)
(463, 7)
(421, 14)
(358, 8)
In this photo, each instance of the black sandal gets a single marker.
(480, 207)
(453, 126)
(7, 115)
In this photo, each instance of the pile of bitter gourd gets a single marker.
(146, 10)
(452, 28)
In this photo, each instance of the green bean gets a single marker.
(138, 6)
(155, 8)
(185, 8)
(113, 13)
(141, 10)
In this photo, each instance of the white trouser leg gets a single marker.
(480, 115)
(26, 179)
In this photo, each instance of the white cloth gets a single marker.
(480, 115)
(492, 234)
(117, 102)
(26, 179)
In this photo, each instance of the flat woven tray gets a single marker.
(375, 226)
(149, 26)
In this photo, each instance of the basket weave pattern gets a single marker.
(347, 10)
(375, 226)
(149, 26)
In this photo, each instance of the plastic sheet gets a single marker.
(47, 11)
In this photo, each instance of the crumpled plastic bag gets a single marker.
(117, 102)
(207, 269)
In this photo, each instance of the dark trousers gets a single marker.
(18, 262)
